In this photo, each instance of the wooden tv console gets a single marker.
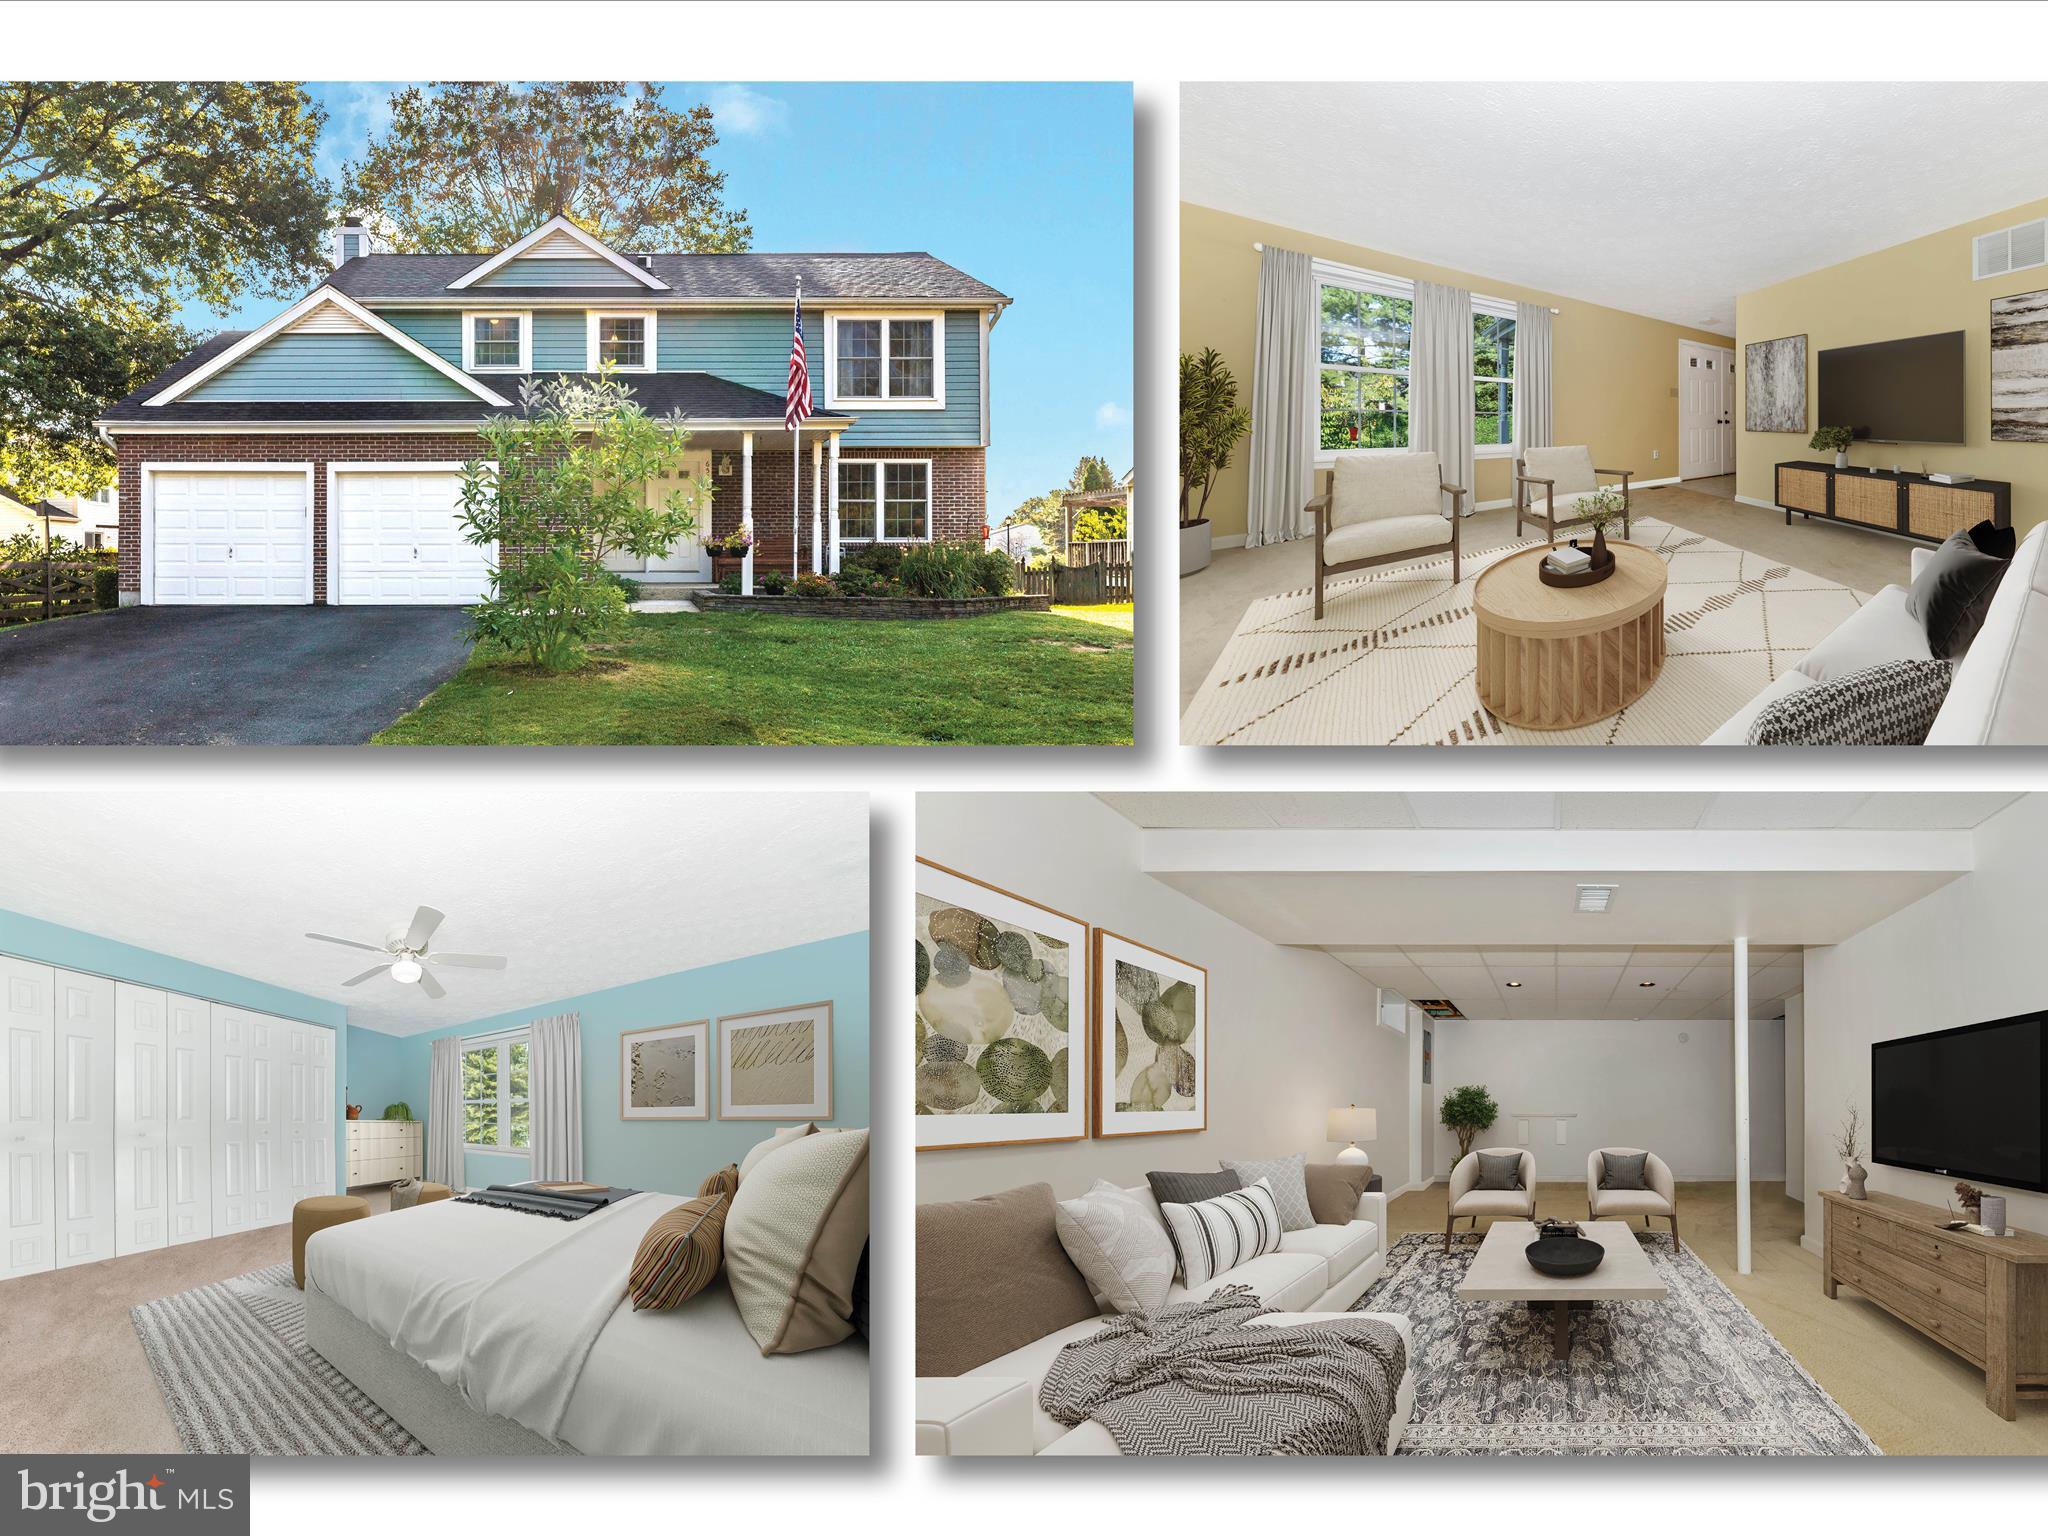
(1984, 1298)
(1912, 506)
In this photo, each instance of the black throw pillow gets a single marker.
(1951, 595)
(1990, 539)
(1499, 1170)
(1189, 1188)
(1624, 1170)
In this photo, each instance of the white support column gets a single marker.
(832, 493)
(1741, 1011)
(747, 510)
(817, 504)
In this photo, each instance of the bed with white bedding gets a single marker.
(503, 1332)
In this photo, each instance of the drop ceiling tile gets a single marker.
(1458, 980)
(1178, 810)
(1369, 957)
(1779, 810)
(1588, 983)
(1945, 810)
(1486, 1007)
(1568, 958)
(1520, 954)
(1631, 810)
(1445, 954)
(1484, 812)
(1361, 812)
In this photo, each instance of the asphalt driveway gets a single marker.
(222, 676)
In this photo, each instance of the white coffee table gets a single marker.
(1501, 1271)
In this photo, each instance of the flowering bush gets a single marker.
(810, 584)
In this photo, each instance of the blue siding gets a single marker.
(438, 330)
(560, 337)
(574, 272)
(315, 367)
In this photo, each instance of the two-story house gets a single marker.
(316, 459)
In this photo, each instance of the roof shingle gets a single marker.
(764, 275)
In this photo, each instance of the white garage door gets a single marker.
(231, 536)
(398, 540)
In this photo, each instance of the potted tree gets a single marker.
(1466, 1112)
(1211, 425)
(1835, 440)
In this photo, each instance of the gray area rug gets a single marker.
(1692, 1375)
(234, 1369)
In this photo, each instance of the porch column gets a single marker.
(832, 491)
(817, 504)
(1742, 1106)
(747, 510)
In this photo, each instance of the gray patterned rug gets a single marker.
(235, 1372)
(1692, 1375)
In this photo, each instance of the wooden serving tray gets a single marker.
(1598, 572)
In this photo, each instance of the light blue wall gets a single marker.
(32, 939)
(354, 367)
(670, 1155)
(576, 272)
(560, 340)
(438, 330)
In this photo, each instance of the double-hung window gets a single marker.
(496, 1114)
(1493, 377)
(500, 342)
(622, 339)
(889, 500)
(887, 360)
(1366, 330)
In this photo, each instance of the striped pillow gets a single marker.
(679, 1254)
(724, 1182)
(1212, 1236)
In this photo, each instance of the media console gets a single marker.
(1911, 506)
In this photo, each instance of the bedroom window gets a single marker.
(897, 491)
(624, 340)
(1365, 332)
(887, 361)
(495, 1110)
(1493, 377)
(497, 343)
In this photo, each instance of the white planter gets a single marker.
(1194, 546)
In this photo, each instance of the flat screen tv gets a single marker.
(1908, 391)
(1967, 1103)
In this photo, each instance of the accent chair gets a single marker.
(1660, 1199)
(1469, 1201)
(1383, 507)
(1551, 482)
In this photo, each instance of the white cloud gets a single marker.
(355, 114)
(743, 111)
(1110, 414)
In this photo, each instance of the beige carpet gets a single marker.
(1391, 662)
(1911, 1397)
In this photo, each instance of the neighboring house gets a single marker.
(91, 521)
(20, 515)
(315, 459)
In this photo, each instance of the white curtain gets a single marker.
(1440, 383)
(1283, 399)
(444, 1113)
(1532, 376)
(554, 1084)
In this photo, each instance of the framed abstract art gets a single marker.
(1150, 1040)
(664, 1072)
(776, 1064)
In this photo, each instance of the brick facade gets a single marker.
(959, 496)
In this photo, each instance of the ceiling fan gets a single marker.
(408, 949)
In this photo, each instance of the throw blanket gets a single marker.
(1194, 1380)
(560, 1204)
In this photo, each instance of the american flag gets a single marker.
(798, 405)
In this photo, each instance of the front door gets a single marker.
(687, 559)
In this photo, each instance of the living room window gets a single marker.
(886, 361)
(495, 1108)
(1493, 378)
(889, 500)
(1366, 331)
(625, 341)
(497, 343)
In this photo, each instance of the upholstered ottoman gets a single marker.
(316, 1215)
(430, 1192)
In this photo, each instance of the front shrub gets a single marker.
(860, 581)
(995, 573)
(810, 584)
(885, 560)
(940, 569)
(729, 583)
(773, 583)
(106, 587)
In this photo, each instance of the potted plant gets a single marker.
(1211, 425)
(1466, 1112)
(399, 1111)
(1597, 510)
(1849, 1144)
(1835, 440)
(737, 544)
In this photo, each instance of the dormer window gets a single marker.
(884, 362)
(623, 339)
(500, 341)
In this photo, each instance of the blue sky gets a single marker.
(1027, 187)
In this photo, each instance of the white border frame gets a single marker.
(336, 468)
(936, 401)
(591, 361)
(559, 224)
(525, 319)
(701, 1028)
(820, 1105)
(931, 496)
(151, 468)
(312, 301)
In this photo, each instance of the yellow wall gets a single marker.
(1614, 376)
(1915, 289)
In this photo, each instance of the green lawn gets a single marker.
(1116, 615)
(743, 679)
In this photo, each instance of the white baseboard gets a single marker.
(1228, 541)
(1754, 501)
(1810, 1245)
(1643, 485)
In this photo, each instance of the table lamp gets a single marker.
(1353, 1125)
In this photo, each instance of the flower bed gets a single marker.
(873, 607)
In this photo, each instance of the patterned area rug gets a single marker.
(1692, 1375)
(232, 1364)
(1392, 661)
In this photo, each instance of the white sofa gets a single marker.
(2000, 693)
(993, 1409)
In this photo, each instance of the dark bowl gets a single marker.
(1565, 1258)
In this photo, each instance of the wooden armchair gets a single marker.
(1380, 508)
(1562, 478)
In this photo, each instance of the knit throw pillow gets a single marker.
(1214, 1236)
(1889, 705)
(679, 1254)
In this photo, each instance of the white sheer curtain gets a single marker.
(444, 1113)
(554, 1084)
(1532, 376)
(1283, 399)
(1440, 382)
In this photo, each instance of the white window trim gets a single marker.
(561, 225)
(936, 401)
(1335, 274)
(591, 361)
(931, 496)
(153, 468)
(503, 1042)
(525, 319)
(1505, 309)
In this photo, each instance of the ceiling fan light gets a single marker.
(405, 969)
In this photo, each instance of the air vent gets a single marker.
(1595, 898)
(2010, 250)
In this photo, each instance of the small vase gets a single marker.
(1853, 1175)
(1841, 458)
(1600, 555)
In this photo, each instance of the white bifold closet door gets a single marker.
(306, 1108)
(141, 1118)
(27, 1132)
(245, 1191)
(189, 1134)
(83, 1093)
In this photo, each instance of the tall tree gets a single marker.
(119, 202)
(1091, 474)
(474, 166)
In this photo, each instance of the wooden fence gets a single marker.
(44, 589)
(1079, 585)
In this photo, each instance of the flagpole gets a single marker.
(796, 467)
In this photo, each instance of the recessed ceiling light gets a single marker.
(1646, 983)
(1595, 898)
(1513, 983)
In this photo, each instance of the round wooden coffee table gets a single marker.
(1551, 658)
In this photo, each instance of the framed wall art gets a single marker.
(776, 1064)
(1150, 1040)
(1774, 385)
(664, 1072)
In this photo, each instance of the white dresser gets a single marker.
(383, 1151)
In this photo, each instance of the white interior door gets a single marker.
(83, 1093)
(305, 1067)
(27, 1031)
(1700, 377)
(141, 1119)
(230, 536)
(245, 1193)
(1725, 438)
(401, 540)
(189, 1136)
